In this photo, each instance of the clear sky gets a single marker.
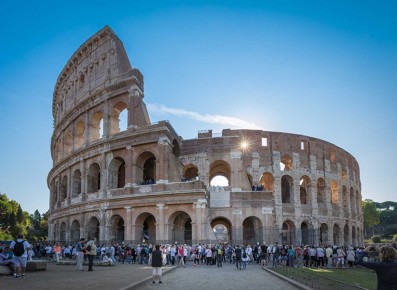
(324, 70)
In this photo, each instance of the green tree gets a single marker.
(371, 215)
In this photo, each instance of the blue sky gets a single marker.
(324, 70)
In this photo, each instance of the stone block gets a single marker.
(36, 265)
(5, 270)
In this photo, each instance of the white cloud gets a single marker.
(206, 118)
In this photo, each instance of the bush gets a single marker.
(395, 238)
(376, 239)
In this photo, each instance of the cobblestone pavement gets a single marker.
(212, 277)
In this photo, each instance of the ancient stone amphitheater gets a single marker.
(118, 177)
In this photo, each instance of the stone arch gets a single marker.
(286, 163)
(175, 148)
(220, 168)
(53, 192)
(64, 188)
(190, 172)
(334, 192)
(307, 233)
(93, 228)
(146, 228)
(352, 202)
(62, 233)
(323, 238)
(354, 236)
(288, 233)
(146, 168)
(75, 231)
(321, 189)
(116, 229)
(76, 183)
(59, 149)
(79, 134)
(252, 230)
(222, 228)
(93, 178)
(118, 120)
(344, 197)
(116, 173)
(346, 235)
(267, 181)
(304, 185)
(337, 235)
(180, 227)
(287, 185)
(67, 146)
(96, 126)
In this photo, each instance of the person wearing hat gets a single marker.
(80, 249)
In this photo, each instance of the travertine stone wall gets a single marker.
(142, 182)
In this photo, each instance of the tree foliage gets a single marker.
(371, 215)
(14, 221)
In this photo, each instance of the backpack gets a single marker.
(298, 252)
(244, 255)
(19, 249)
(219, 252)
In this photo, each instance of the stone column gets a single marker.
(160, 236)
(128, 167)
(102, 225)
(128, 224)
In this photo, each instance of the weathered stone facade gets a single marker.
(143, 181)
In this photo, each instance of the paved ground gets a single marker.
(135, 276)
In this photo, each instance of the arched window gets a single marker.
(79, 135)
(93, 178)
(286, 189)
(220, 173)
(119, 118)
(96, 126)
(76, 183)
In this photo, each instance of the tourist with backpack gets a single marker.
(20, 248)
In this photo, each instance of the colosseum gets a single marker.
(118, 177)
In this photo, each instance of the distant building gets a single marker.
(118, 177)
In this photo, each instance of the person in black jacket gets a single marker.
(157, 264)
(386, 271)
(238, 252)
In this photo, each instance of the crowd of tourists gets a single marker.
(207, 255)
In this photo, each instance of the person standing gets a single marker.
(57, 249)
(238, 251)
(80, 249)
(91, 252)
(20, 248)
(157, 264)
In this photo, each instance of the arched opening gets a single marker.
(59, 149)
(345, 197)
(119, 118)
(175, 148)
(334, 192)
(93, 178)
(116, 229)
(190, 172)
(147, 234)
(75, 231)
(146, 168)
(321, 188)
(324, 234)
(62, 233)
(220, 172)
(93, 228)
(64, 188)
(53, 191)
(96, 126)
(286, 189)
(352, 202)
(286, 163)
(116, 173)
(288, 233)
(181, 227)
(336, 235)
(79, 134)
(346, 235)
(252, 230)
(76, 183)
(67, 148)
(222, 229)
(354, 236)
(304, 185)
(267, 181)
